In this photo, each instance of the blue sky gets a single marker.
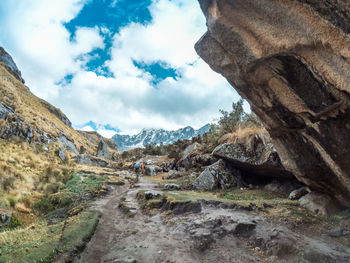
(118, 65)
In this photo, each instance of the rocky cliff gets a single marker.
(34, 120)
(291, 60)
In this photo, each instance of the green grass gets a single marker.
(44, 242)
(71, 224)
(85, 183)
(71, 193)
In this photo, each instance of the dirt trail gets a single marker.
(119, 238)
(213, 235)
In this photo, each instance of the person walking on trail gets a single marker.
(137, 168)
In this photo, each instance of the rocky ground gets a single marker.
(142, 223)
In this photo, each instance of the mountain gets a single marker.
(37, 123)
(156, 136)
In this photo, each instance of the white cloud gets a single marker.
(127, 101)
(35, 36)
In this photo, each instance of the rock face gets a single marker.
(193, 157)
(218, 175)
(102, 150)
(254, 154)
(291, 60)
(11, 66)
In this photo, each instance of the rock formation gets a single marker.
(291, 60)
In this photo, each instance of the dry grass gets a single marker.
(26, 173)
(241, 133)
(36, 112)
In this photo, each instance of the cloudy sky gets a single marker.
(116, 65)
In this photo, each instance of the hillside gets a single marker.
(156, 137)
(35, 136)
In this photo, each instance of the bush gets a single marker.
(12, 201)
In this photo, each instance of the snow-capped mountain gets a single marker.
(156, 136)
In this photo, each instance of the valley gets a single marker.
(271, 185)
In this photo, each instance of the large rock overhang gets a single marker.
(290, 59)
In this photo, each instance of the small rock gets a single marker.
(172, 187)
(150, 194)
(298, 193)
(336, 232)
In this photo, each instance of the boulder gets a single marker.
(284, 187)
(102, 150)
(290, 60)
(162, 161)
(152, 170)
(67, 143)
(5, 218)
(151, 194)
(193, 157)
(254, 154)
(298, 193)
(219, 175)
(90, 160)
(172, 174)
(320, 203)
(60, 152)
(172, 187)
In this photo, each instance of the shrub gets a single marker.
(12, 201)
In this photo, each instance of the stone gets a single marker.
(152, 170)
(67, 143)
(5, 218)
(192, 157)
(254, 154)
(91, 160)
(151, 194)
(102, 150)
(172, 174)
(336, 232)
(218, 175)
(282, 187)
(172, 187)
(61, 153)
(162, 161)
(279, 241)
(298, 193)
(290, 60)
(320, 203)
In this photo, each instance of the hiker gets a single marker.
(137, 168)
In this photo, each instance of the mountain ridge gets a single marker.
(156, 136)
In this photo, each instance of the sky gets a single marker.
(118, 65)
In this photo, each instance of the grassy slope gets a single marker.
(37, 112)
(64, 226)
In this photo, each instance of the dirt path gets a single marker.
(213, 235)
(119, 238)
